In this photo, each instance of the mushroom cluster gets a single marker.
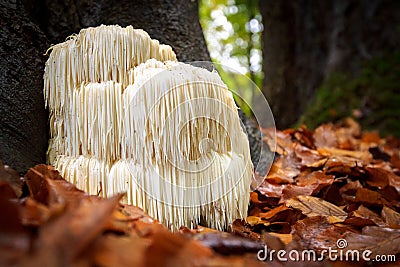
(125, 116)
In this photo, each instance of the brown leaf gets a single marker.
(391, 217)
(369, 198)
(6, 191)
(61, 191)
(284, 238)
(10, 176)
(377, 177)
(118, 251)
(284, 169)
(381, 241)
(395, 160)
(14, 238)
(281, 214)
(283, 143)
(325, 136)
(167, 249)
(270, 189)
(342, 168)
(242, 228)
(33, 213)
(361, 157)
(312, 206)
(331, 193)
(304, 136)
(316, 177)
(261, 201)
(394, 180)
(36, 179)
(62, 239)
(363, 217)
(228, 244)
(350, 188)
(124, 217)
(309, 157)
(291, 191)
(372, 138)
(315, 233)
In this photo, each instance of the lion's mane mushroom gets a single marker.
(126, 117)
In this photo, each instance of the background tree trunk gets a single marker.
(306, 40)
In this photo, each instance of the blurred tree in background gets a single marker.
(233, 34)
(321, 60)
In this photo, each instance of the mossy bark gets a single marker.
(304, 41)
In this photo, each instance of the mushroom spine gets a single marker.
(125, 116)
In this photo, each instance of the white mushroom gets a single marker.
(125, 118)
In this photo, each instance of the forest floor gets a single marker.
(331, 198)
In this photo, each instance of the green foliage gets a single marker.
(232, 29)
(373, 97)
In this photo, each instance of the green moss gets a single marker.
(373, 97)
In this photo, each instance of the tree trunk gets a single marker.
(23, 119)
(172, 22)
(305, 40)
(28, 27)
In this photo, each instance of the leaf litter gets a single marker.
(334, 183)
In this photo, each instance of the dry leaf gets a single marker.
(391, 217)
(312, 206)
(381, 241)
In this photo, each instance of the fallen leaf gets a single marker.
(315, 233)
(371, 138)
(291, 191)
(242, 228)
(281, 214)
(362, 157)
(33, 213)
(309, 157)
(10, 176)
(63, 238)
(312, 206)
(14, 237)
(363, 217)
(6, 191)
(304, 136)
(381, 241)
(284, 238)
(261, 201)
(283, 141)
(228, 244)
(270, 189)
(391, 217)
(325, 136)
(315, 177)
(36, 180)
(350, 188)
(284, 169)
(395, 160)
(369, 198)
(168, 249)
(331, 193)
(377, 177)
(118, 251)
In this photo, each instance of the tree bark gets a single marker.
(172, 22)
(306, 40)
(29, 26)
(23, 119)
